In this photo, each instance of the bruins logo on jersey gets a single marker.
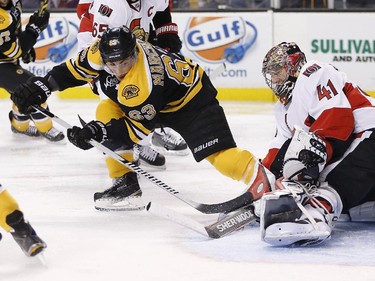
(130, 91)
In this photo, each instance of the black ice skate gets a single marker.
(169, 143)
(55, 136)
(147, 156)
(25, 235)
(30, 132)
(124, 195)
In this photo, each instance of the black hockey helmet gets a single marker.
(117, 44)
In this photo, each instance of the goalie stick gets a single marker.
(230, 223)
(227, 206)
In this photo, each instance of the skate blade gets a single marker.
(164, 151)
(18, 136)
(128, 204)
(145, 164)
(42, 259)
(60, 142)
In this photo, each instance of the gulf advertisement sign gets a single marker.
(220, 39)
(55, 44)
(238, 40)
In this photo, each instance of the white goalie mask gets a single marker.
(281, 67)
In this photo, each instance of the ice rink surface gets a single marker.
(54, 185)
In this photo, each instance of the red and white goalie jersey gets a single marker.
(326, 103)
(104, 14)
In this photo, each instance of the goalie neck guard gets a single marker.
(117, 44)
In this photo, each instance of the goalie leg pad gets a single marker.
(363, 213)
(299, 214)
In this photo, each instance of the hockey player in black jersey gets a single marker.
(15, 45)
(151, 86)
(12, 220)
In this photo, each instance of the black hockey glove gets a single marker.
(168, 39)
(35, 91)
(95, 130)
(37, 23)
(29, 56)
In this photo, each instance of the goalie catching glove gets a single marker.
(35, 91)
(305, 157)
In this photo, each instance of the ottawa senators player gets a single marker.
(324, 147)
(16, 44)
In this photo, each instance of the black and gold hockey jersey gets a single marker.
(158, 84)
(10, 29)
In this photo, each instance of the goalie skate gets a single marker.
(124, 195)
(301, 233)
(299, 214)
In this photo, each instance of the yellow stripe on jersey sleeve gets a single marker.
(87, 64)
(75, 73)
(193, 91)
(14, 51)
(93, 54)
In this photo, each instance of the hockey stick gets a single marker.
(43, 6)
(227, 206)
(230, 223)
(217, 71)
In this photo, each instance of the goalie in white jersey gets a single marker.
(324, 149)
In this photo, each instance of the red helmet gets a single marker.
(284, 61)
